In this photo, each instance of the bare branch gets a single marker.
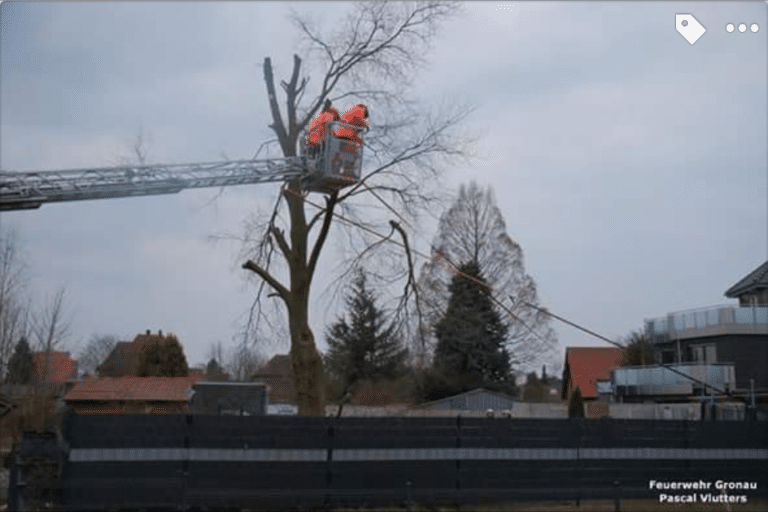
(330, 202)
(266, 276)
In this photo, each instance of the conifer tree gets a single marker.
(20, 366)
(576, 404)
(471, 335)
(366, 346)
(164, 358)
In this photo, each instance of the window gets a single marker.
(710, 353)
(704, 353)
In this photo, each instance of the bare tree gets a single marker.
(242, 363)
(94, 353)
(372, 58)
(473, 229)
(14, 306)
(52, 326)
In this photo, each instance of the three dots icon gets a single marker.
(742, 27)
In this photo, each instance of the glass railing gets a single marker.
(708, 317)
(716, 374)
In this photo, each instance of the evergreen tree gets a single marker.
(163, 357)
(366, 347)
(471, 335)
(20, 366)
(214, 371)
(576, 404)
(473, 229)
(534, 388)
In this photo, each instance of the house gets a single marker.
(131, 395)
(125, 358)
(54, 367)
(229, 398)
(278, 375)
(588, 368)
(753, 289)
(476, 400)
(735, 334)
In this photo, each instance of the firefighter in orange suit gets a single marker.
(320, 124)
(356, 117)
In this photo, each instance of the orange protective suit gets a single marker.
(320, 126)
(357, 117)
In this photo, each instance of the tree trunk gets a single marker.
(307, 366)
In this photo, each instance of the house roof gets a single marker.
(133, 388)
(60, 368)
(278, 365)
(755, 280)
(278, 375)
(477, 391)
(588, 365)
(125, 358)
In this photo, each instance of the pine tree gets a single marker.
(471, 335)
(20, 366)
(164, 358)
(576, 404)
(534, 388)
(366, 347)
(214, 371)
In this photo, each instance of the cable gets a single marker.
(456, 271)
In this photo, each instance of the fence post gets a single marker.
(328, 501)
(617, 498)
(458, 459)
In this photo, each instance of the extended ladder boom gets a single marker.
(29, 190)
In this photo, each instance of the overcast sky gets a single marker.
(629, 164)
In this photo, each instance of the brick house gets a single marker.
(53, 367)
(132, 395)
(278, 375)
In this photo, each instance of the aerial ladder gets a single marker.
(332, 165)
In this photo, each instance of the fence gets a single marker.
(272, 461)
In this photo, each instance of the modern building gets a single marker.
(229, 398)
(736, 334)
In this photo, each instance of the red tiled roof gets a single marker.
(133, 388)
(590, 364)
(60, 368)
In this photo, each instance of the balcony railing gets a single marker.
(707, 322)
(658, 380)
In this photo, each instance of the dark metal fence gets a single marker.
(116, 462)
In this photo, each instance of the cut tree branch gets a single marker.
(266, 276)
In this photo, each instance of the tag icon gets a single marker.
(689, 27)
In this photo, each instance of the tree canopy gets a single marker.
(370, 57)
(163, 358)
(366, 345)
(20, 366)
(637, 350)
(471, 335)
(473, 230)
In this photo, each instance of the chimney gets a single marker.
(160, 333)
(148, 332)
